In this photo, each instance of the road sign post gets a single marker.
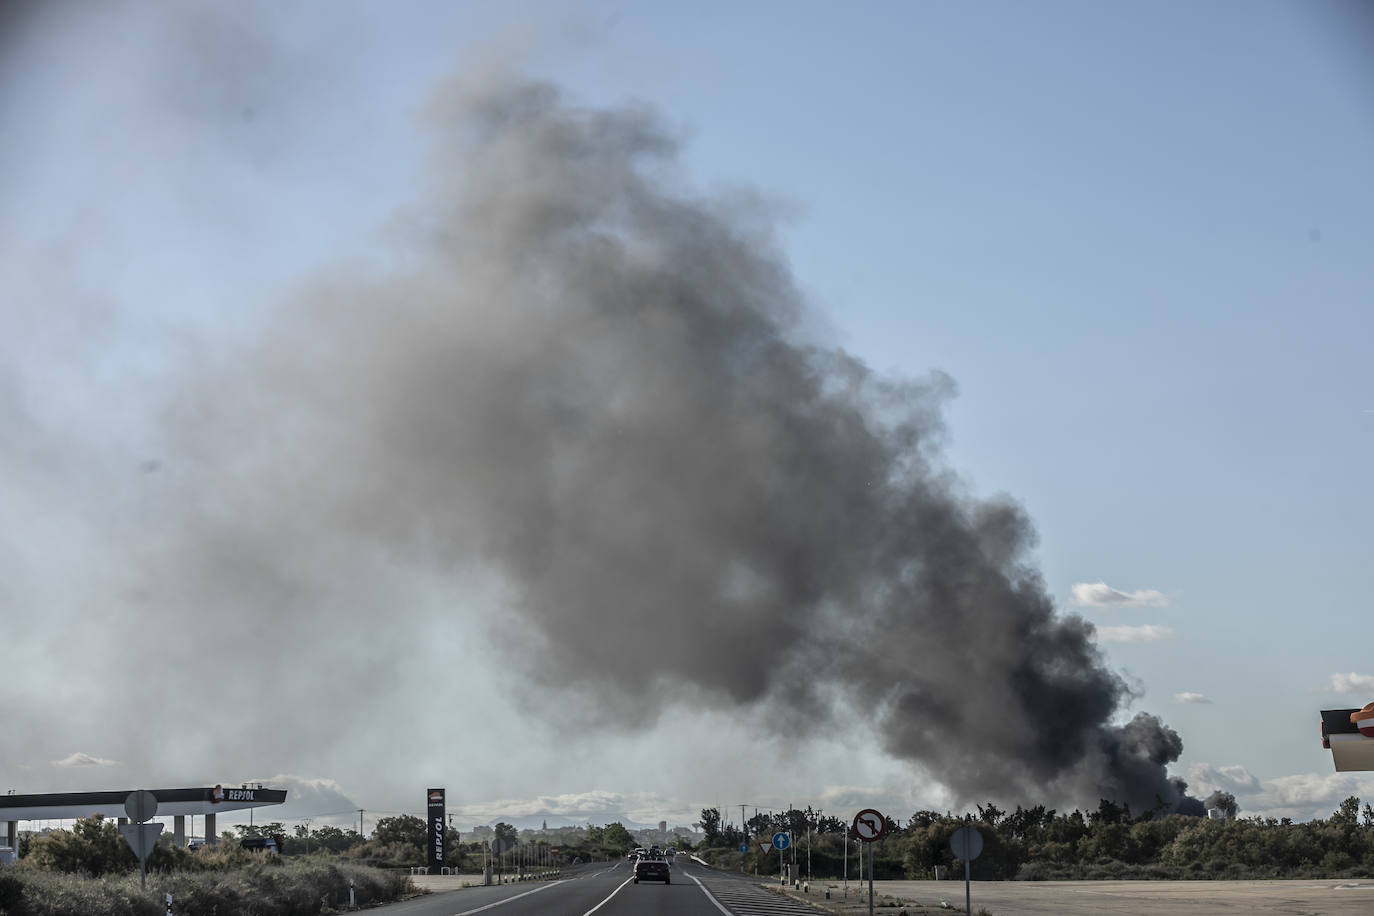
(966, 844)
(499, 847)
(780, 842)
(142, 837)
(870, 825)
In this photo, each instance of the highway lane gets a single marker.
(606, 890)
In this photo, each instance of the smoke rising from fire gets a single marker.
(591, 380)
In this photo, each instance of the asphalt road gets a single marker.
(606, 890)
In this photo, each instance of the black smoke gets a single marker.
(602, 385)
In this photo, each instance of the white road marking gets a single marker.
(608, 899)
(709, 897)
(508, 899)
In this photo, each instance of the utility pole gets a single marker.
(793, 875)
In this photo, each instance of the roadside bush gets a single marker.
(267, 887)
(11, 892)
(58, 894)
(94, 846)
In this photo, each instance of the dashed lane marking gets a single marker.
(508, 899)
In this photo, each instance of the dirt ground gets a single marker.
(1096, 898)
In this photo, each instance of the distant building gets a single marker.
(662, 826)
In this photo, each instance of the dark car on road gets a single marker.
(649, 868)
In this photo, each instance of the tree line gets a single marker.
(1034, 843)
(94, 846)
(1040, 844)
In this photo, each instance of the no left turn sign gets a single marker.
(870, 825)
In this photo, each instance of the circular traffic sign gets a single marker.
(966, 844)
(501, 844)
(870, 825)
(743, 847)
(140, 806)
(781, 841)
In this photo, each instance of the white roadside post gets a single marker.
(352, 904)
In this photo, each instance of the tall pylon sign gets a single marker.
(435, 818)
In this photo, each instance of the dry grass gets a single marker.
(266, 887)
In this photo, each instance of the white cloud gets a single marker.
(596, 807)
(572, 805)
(1146, 633)
(1188, 697)
(1204, 779)
(1100, 594)
(1352, 683)
(84, 760)
(1306, 795)
(1302, 796)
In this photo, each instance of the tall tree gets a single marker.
(617, 838)
(404, 828)
(710, 825)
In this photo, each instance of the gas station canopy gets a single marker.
(170, 802)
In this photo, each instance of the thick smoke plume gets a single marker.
(597, 383)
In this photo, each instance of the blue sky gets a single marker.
(1137, 237)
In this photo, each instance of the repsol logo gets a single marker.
(239, 794)
(438, 839)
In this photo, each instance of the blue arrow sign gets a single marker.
(781, 841)
(743, 847)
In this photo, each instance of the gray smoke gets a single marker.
(1224, 802)
(598, 385)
